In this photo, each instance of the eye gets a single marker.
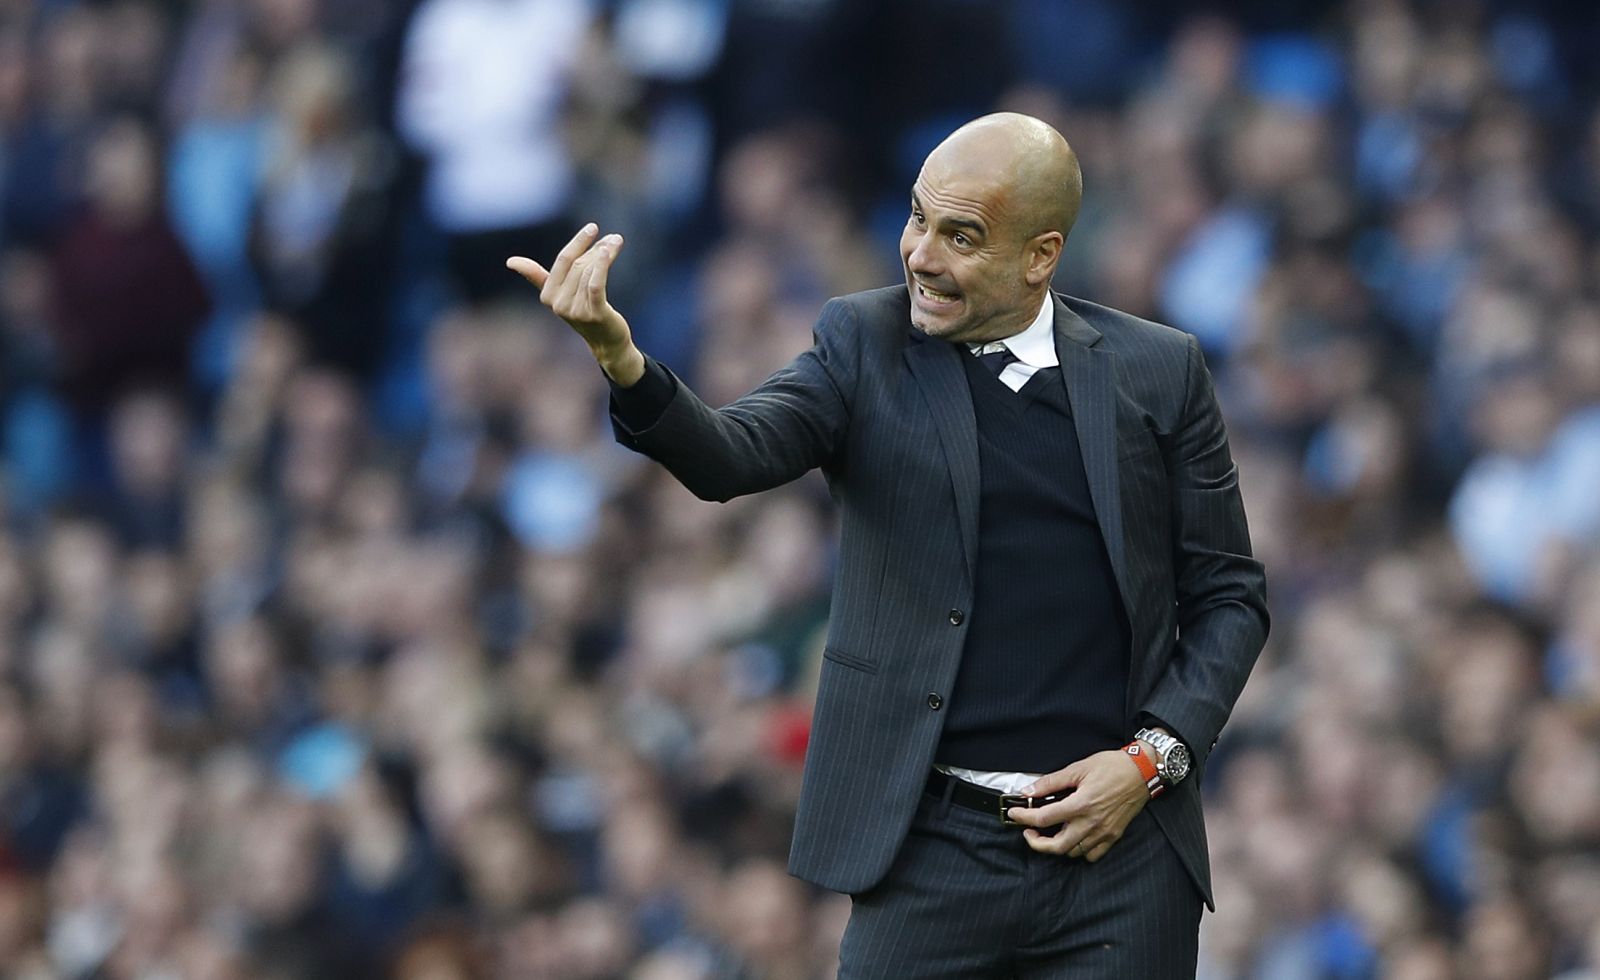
(917, 218)
(961, 240)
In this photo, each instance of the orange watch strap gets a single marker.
(1147, 769)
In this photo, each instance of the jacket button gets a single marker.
(957, 617)
(935, 702)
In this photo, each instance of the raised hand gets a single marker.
(574, 287)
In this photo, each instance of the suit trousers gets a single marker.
(967, 897)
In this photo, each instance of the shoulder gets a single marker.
(1157, 365)
(882, 307)
(870, 320)
(1129, 334)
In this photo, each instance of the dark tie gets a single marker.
(996, 360)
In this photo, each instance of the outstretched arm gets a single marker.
(794, 421)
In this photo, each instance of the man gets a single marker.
(1045, 605)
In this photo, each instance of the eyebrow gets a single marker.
(964, 223)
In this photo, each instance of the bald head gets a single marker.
(1039, 182)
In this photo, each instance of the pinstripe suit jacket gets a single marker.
(885, 412)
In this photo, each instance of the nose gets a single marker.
(922, 253)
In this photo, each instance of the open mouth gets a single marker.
(934, 296)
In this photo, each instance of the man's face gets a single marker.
(965, 261)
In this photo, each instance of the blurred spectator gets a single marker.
(483, 86)
(323, 229)
(149, 449)
(127, 298)
(1527, 505)
(213, 172)
(51, 84)
(287, 692)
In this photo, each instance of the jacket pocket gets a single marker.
(846, 660)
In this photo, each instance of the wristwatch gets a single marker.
(1173, 760)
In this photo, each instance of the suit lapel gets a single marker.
(937, 367)
(1090, 374)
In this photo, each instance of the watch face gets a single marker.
(1177, 762)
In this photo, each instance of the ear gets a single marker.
(1043, 251)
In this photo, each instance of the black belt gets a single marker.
(975, 797)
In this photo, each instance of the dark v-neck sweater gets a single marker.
(1044, 673)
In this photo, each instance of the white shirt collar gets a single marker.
(1035, 346)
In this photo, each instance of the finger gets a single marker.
(1049, 814)
(1039, 816)
(1075, 806)
(1040, 843)
(1093, 840)
(1088, 838)
(570, 297)
(565, 296)
(1100, 850)
(528, 269)
(608, 248)
(583, 294)
(568, 254)
(1061, 843)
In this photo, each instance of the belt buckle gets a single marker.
(1009, 800)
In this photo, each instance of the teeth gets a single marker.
(936, 297)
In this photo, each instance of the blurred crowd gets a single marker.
(338, 639)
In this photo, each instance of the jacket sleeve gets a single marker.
(1221, 590)
(792, 422)
(641, 406)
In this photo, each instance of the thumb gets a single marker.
(529, 270)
